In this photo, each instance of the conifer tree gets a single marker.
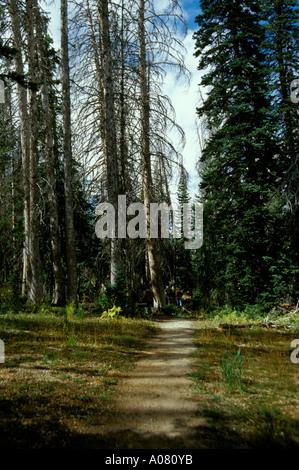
(68, 163)
(282, 51)
(238, 161)
(183, 257)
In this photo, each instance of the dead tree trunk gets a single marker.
(71, 263)
(32, 279)
(153, 254)
(110, 133)
(25, 147)
(59, 282)
(35, 290)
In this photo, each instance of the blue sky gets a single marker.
(185, 100)
(192, 9)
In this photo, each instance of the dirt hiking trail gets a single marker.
(155, 407)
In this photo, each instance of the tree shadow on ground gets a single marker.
(48, 432)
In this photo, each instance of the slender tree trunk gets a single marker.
(122, 104)
(98, 70)
(59, 282)
(12, 165)
(71, 263)
(25, 139)
(35, 291)
(153, 255)
(110, 143)
(124, 186)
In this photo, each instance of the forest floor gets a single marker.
(173, 383)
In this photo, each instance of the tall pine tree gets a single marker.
(238, 161)
(282, 51)
(183, 256)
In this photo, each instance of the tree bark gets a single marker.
(153, 254)
(71, 263)
(32, 279)
(35, 290)
(13, 195)
(23, 115)
(59, 281)
(110, 135)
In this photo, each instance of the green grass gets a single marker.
(231, 366)
(247, 386)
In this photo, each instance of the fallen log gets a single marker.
(228, 326)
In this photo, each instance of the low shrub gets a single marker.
(231, 314)
(113, 313)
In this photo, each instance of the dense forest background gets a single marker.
(88, 122)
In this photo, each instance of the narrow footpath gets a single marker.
(155, 407)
